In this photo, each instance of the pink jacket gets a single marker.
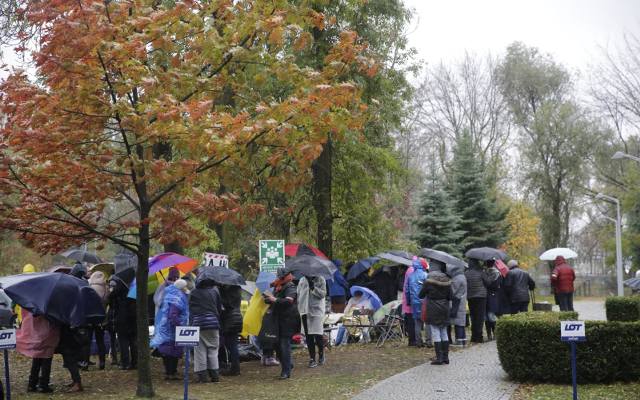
(406, 308)
(37, 337)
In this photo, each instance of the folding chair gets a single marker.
(391, 328)
(361, 323)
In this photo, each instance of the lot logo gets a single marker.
(572, 327)
(187, 336)
(183, 332)
(8, 339)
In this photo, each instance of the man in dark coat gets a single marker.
(437, 290)
(124, 317)
(562, 279)
(477, 282)
(231, 326)
(517, 285)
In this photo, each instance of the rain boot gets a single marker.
(234, 370)
(201, 377)
(438, 357)
(215, 377)
(445, 352)
(75, 387)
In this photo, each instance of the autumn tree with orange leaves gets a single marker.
(145, 114)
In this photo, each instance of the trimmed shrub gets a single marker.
(530, 349)
(623, 308)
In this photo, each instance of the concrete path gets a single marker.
(590, 309)
(474, 374)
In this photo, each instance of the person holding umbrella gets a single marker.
(98, 283)
(562, 279)
(477, 282)
(72, 342)
(205, 308)
(173, 312)
(231, 325)
(37, 339)
(283, 306)
(414, 286)
(123, 312)
(312, 291)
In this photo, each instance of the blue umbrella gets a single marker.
(373, 298)
(264, 279)
(361, 266)
(61, 297)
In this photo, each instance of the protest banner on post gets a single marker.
(271, 255)
(215, 260)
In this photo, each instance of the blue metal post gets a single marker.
(186, 373)
(6, 374)
(574, 374)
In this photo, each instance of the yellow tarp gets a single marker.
(252, 321)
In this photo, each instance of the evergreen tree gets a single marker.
(437, 226)
(481, 218)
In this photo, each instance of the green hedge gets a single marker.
(623, 308)
(530, 349)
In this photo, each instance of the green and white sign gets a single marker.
(271, 255)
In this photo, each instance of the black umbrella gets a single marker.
(63, 298)
(397, 256)
(486, 253)
(220, 275)
(82, 256)
(310, 266)
(443, 257)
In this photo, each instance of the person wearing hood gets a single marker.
(477, 282)
(122, 314)
(458, 314)
(437, 291)
(414, 286)
(98, 283)
(205, 309)
(407, 312)
(493, 307)
(37, 339)
(172, 276)
(311, 292)
(283, 306)
(173, 312)
(79, 270)
(517, 285)
(562, 279)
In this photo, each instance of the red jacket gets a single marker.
(562, 276)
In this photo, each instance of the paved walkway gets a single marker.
(474, 374)
(590, 309)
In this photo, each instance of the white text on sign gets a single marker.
(187, 336)
(572, 331)
(8, 339)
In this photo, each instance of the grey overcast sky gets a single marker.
(572, 31)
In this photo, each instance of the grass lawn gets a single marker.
(616, 391)
(349, 370)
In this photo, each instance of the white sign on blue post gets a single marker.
(187, 336)
(7, 339)
(573, 332)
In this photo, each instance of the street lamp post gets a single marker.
(618, 222)
(618, 155)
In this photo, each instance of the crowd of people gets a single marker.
(434, 298)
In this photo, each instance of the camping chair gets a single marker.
(391, 328)
(360, 323)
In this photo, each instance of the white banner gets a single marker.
(8, 339)
(187, 336)
(216, 260)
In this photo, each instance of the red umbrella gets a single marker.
(301, 249)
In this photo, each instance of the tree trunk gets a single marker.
(322, 182)
(145, 384)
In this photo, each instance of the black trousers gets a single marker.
(128, 349)
(313, 341)
(170, 365)
(98, 331)
(40, 373)
(477, 309)
(565, 301)
(518, 307)
(409, 327)
(70, 361)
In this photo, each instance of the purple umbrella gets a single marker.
(375, 300)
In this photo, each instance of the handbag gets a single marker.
(269, 330)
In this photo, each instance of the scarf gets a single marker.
(280, 282)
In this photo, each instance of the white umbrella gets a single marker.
(551, 254)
